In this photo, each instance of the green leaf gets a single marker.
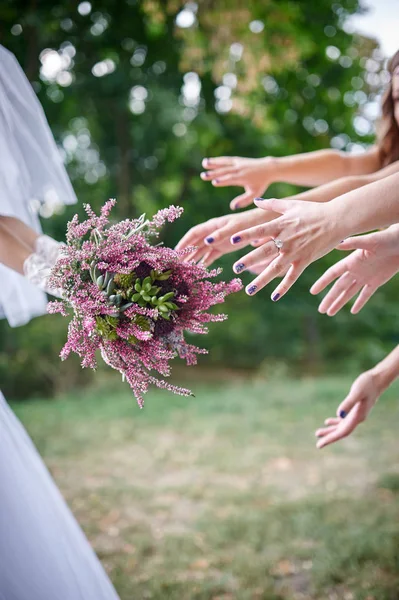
(147, 281)
(167, 296)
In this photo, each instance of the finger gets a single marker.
(263, 255)
(322, 431)
(214, 174)
(344, 282)
(343, 299)
(257, 243)
(328, 277)
(257, 269)
(210, 257)
(352, 399)
(242, 200)
(332, 421)
(363, 298)
(363, 242)
(197, 255)
(294, 272)
(272, 271)
(341, 431)
(278, 205)
(223, 235)
(194, 236)
(226, 180)
(265, 231)
(218, 161)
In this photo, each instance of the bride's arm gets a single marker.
(27, 253)
(13, 250)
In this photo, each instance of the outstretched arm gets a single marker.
(309, 230)
(329, 191)
(310, 169)
(375, 261)
(363, 395)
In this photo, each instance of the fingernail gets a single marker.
(342, 241)
(255, 242)
(342, 414)
(236, 239)
(259, 199)
(238, 268)
(251, 290)
(204, 175)
(275, 297)
(215, 181)
(209, 240)
(237, 205)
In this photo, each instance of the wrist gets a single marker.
(382, 377)
(271, 168)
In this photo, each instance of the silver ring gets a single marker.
(278, 243)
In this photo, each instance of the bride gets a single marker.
(44, 554)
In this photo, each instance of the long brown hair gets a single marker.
(388, 141)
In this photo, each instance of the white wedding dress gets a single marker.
(44, 555)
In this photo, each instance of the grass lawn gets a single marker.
(224, 496)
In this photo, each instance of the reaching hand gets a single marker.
(212, 238)
(253, 174)
(363, 394)
(305, 230)
(374, 262)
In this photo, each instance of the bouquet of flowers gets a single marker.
(133, 300)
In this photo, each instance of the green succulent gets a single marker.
(159, 276)
(144, 291)
(164, 304)
(142, 322)
(122, 292)
(124, 281)
(106, 327)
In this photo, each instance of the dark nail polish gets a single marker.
(251, 290)
(239, 268)
(276, 297)
(236, 239)
(342, 414)
(260, 199)
(210, 240)
(342, 241)
(215, 181)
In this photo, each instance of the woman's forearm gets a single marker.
(13, 251)
(323, 166)
(373, 206)
(386, 371)
(18, 229)
(329, 191)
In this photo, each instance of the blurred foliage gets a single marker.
(138, 92)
